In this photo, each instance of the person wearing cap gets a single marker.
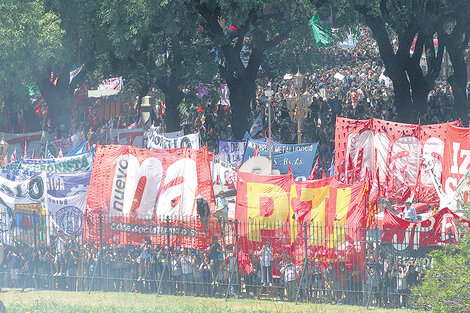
(409, 213)
(202, 211)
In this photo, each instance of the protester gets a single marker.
(202, 211)
(409, 213)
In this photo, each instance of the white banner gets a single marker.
(157, 141)
(231, 151)
(128, 137)
(22, 209)
(224, 173)
(65, 144)
(66, 213)
(111, 84)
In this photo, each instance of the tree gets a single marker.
(158, 43)
(446, 286)
(255, 27)
(395, 25)
(31, 41)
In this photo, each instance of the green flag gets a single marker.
(321, 34)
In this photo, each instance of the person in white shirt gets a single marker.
(409, 213)
(289, 272)
(187, 263)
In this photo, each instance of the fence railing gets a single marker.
(217, 257)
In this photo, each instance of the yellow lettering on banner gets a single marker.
(343, 199)
(318, 197)
(280, 202)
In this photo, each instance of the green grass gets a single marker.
(76, 302)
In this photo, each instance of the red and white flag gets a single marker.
(60, 154)
(313, 174)
(13, 156)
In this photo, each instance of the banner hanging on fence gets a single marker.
(66, 214)
(231, 151)
(395, 150)
(140, 185)
(299, 156)
(82, 162)
(158, 141)
(417, 239)
(23, 207)
(330, 214)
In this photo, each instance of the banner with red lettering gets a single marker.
(330, 214)
(135, 189)
(396, 150)
(456, 162)
(416, 239)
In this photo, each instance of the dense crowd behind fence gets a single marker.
(275, 266)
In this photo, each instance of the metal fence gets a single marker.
(285, 262)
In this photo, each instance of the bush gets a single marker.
(446, 286)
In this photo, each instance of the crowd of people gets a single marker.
(219, 269)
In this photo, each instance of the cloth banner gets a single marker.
(29, 141)
(78, 149)
(299, 156)
(114, 83)
(132, 186)
(456, 161)
(23, 209)
(66, 213)
(329, 213)
(231, 151)
(224, 173)
(128, 137)
(82, 162)
(65, 144)
(158, 141)
(395, 150)
(417, 239)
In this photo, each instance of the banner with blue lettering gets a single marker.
(81, 162)
(299, 156)
(231, 151)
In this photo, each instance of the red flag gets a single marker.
(290, 170)
(256, 153)
(25, 149)
(60, 154)
(13, 156)
(324, 174)
(313, 174)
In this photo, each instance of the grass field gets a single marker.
(68, 302)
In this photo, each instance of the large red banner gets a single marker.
(329, 214)
(456, 161)
(135, 189)
(439, 230)
(392, 153)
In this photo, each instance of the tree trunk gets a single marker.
(242, 92)
(458, 79)
(173, 98)
(403, 102)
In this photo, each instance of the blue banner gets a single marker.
(79, 149)
(300, 156)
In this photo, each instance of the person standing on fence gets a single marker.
(267, 264)
(409, 213)
(222, 209)
(202, 211)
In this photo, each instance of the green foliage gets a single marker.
(31, 42)
(446, 286)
